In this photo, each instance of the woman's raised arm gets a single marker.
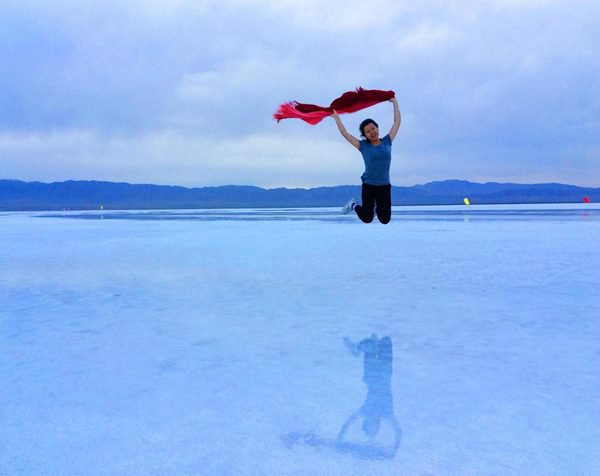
(396, 126)
(349, 137)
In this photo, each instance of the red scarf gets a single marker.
(351, 101)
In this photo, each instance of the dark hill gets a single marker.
(80, 195)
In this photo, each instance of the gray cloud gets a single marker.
(493, 90)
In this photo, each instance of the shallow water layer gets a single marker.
(434, 213)
(454, 340)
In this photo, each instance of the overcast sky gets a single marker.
(182, 92)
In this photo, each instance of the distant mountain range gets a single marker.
(91, 195)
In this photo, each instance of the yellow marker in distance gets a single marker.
(466, 200)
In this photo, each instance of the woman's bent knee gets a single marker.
(384, 216)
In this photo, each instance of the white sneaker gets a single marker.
(349, 206)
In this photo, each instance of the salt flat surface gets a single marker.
(227, 342)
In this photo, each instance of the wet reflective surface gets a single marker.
(451, 341)
(487, 212)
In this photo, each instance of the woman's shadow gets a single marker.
(377, 408)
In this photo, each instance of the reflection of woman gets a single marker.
(377, 155)
(378, 405)
(377, 408)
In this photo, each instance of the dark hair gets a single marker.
(364, 124)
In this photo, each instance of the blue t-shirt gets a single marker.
(377, 161)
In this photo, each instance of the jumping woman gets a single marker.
(377, 155)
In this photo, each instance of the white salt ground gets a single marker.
(211, 342)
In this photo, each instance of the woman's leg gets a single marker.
(383, 200)
(366, 211)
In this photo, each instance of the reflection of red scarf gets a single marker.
(351, 101)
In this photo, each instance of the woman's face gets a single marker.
(371, 132)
